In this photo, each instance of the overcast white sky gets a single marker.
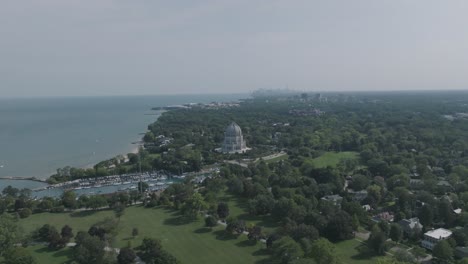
(117, 47)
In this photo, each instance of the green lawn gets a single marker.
(43, 255)
(333, 158)
(238, 208)
(354, 252)
(189, 242)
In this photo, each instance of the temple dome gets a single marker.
(233, 140)
(233, 130)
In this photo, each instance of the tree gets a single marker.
(360, 182)
(235, 226)
(286, 250)
(426, 216)
(355, 222)
(25, 213)
(96, 201)
(255, 233)
(443, 250)
(151, 252)
(69, 199)
(10, 191)
(194, 205)
(211, 221)
(340, 227)
(119, 210)
(304, 231)
(134, 232)
(9, 233)
(88, 249)
(222, 210)
(18, 255)
(261, 205)
(126, 256)
(395, 232)
(66, 232)
(377, 240)
(323, 252)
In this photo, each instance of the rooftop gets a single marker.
(439, 233)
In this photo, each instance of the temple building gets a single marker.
(233, 140)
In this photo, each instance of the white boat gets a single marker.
(133, 187)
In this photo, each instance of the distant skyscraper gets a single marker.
(234, 140)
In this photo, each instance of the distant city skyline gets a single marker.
(141, 47)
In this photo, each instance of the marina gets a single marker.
(108, 184)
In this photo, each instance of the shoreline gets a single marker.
(19, 178)
(134, 150)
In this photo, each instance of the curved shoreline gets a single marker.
(15, 178)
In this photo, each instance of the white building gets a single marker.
(233, 140)
(431, 238)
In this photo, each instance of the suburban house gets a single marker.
(384, 216)
(410, 226)
(431, 238)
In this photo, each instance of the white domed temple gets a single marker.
(233, 140)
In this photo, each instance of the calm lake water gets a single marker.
(39, 135)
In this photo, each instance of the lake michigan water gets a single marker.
(39, 135)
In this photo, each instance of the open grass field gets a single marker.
(189, 242)
(350, 254)
(238, 208)
(333, 158)
(44, 255)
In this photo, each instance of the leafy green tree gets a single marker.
(443, 250)
(126, 256)
(96, 201)
(426, 216)
(235, 226)
(18, 255)
(340, 227)
(222, 210)
(24, 213)
(9, 233)
(396, 233)
(211, 221)
(88, 249)
(323, 252)
(377, 240)
(194, 205)
(69, 199)
(135, 232)
(261, 205)
(355, 222)
(255, 233)
(67, 232)
(151, 252)
(360, 182)
(286, 250)
(10, 191)
(119, 210)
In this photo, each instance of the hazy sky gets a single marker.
(116, 47)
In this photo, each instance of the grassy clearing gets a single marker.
(238, 208)
(189, 242)
(354, 252)
(276, 159)
(333, 158)
(44, 255)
